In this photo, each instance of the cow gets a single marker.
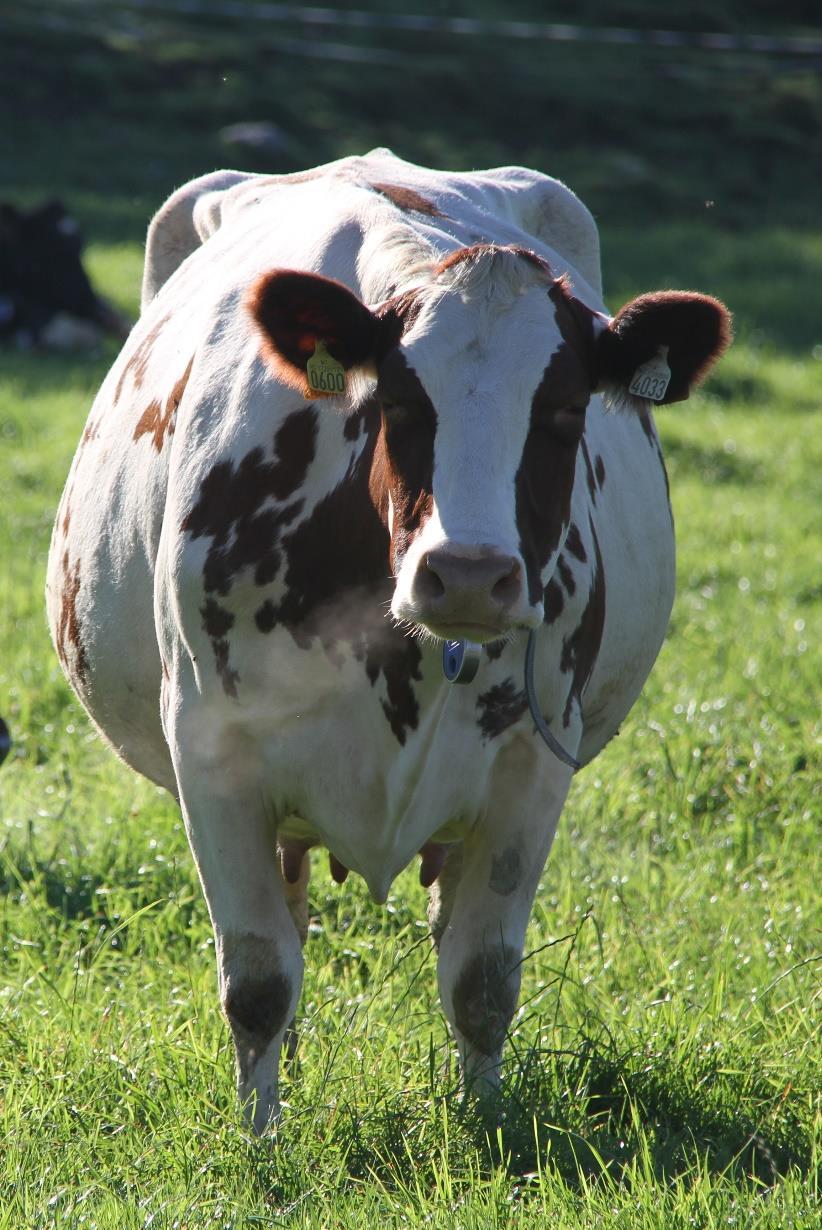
(370, 410)
(46, 298)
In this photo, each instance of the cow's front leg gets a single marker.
(260, 965)
(484, 903)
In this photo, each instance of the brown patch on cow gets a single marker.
(233, 507)
(580, 649)
(590, 477)
(485, 998)
(137, 363)
(553, 601)
(336, 586)
(574, 544)
(228, 677)
(506, 872)
(566, 576)
(69, 644)
(408, 199)
(478, 251)
(545, 479)
(398, 314)
(400, 665)
(256, 1006)
(494, 650)
(599, 470)
(66, 519)
(352, 426)
(403, 464)
(256, 997)
(217, 623)
(500, 707)
(90, 433)
(158, 420)
(217, 620)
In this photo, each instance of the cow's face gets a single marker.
(483, 377)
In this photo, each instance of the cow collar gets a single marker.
(460, 663)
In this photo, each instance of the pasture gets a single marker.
(664, 1071)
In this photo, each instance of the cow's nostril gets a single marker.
(507, 588)
(428, 584)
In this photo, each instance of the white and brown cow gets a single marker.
(249, 584)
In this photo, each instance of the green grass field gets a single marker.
(665, 1066)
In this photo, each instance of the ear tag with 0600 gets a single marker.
(651, 379)
(325, 375)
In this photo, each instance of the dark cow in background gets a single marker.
(365, 412)
(46, 298)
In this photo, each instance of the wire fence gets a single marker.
(463, 27)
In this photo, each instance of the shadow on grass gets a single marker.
(587, 1116)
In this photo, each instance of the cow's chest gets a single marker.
(366, 748)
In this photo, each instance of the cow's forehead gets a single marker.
(496, 347)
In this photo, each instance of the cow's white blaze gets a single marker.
(481, 357)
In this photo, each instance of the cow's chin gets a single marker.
(480, 634)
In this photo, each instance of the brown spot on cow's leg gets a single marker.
(441, 897)
(506, 872)
(257, 1000)
(485, 998)
(599, 470)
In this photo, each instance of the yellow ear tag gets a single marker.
(651, 379)
(326, 377)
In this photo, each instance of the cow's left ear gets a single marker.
(296, 311)
(680, 332)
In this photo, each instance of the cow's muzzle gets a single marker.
(478, 595)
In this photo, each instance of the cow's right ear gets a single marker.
(295, 311)
(660, 346)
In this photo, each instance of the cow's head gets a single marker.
(483, 375)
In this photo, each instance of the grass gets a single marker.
(664, 1069)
